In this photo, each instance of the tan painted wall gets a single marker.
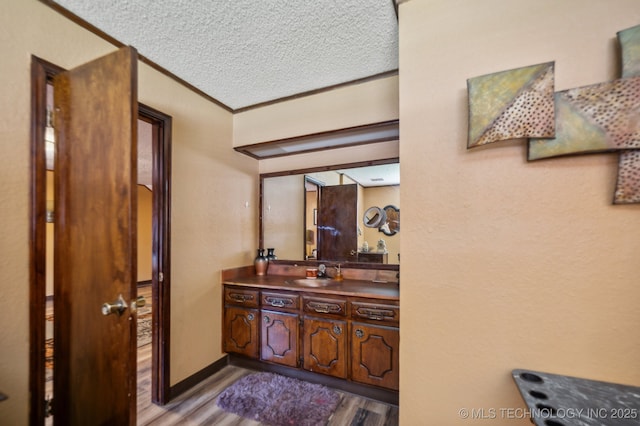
(364, 103)
(211, 227)
(145, 234)
(214, 217)
(283, 216)
(523, 265)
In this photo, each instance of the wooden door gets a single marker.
(338, 223)
(324, 347)
(375, 355)
(95, 241)
(279, 338)
(240, 332)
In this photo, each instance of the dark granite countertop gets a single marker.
(555, 400)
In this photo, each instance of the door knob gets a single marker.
(117, 307)
(139, 302)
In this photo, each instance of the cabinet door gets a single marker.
(240, 332)
(374, 355)
(279, 338)
(324, 346)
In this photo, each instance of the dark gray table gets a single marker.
(556, 400)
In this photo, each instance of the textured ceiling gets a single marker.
(245, 52)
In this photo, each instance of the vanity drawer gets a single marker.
(290, 301)
(241, 297)
(375, 312)
(324, 306)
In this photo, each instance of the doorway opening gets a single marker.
(311, 191)
(42, 206)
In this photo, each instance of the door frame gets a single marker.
(161, 258)
(42, 72)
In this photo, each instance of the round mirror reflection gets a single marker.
(374, 217)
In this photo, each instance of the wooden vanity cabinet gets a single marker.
(279, 334)
(375, 343)
(324, 336)
(349, 338)
(241, 319)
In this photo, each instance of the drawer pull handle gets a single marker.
(324, 308)
(375, 314)
(240, 297)
(278, 302)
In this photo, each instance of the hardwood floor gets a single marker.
(198, 406)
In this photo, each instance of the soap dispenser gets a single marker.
(338, 276)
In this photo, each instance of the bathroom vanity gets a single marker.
(341, 333)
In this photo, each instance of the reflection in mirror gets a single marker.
(391, 223)
(304, 217)
(374, 217)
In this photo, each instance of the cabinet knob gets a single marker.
(337, 330)
(250, 317)
(266, 319)
(359, 333)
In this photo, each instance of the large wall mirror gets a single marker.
(324, 214)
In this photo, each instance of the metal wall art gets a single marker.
(386, 219)
(511, 104)
(602, 117)
(628, 183)
(597, 118)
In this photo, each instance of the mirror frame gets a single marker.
(359, 265)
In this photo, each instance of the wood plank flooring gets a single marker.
(198, 405)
